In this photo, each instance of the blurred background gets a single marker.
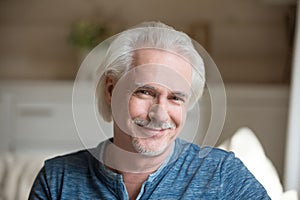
(44, 42)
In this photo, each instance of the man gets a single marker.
(152, 76)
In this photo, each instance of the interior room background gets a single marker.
(251, 42)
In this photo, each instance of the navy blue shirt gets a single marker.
(196, 173)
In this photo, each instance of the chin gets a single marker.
(150, 147)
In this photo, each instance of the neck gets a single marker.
(134, 182)
(122, 157)
(125, 162)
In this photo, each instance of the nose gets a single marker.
(158, 113)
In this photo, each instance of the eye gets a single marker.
(144, 93)
(177, 99)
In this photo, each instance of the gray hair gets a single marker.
(120, 55)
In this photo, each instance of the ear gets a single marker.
(109, 86)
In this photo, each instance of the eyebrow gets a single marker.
(140, 85)
(180, 94)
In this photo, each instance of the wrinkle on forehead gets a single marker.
(166, 58)
(159, 74)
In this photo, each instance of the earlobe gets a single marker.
(109, 86)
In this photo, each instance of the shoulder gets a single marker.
(206, 153)
(77, 159)
(74, 157)
(208, 161)
(214, 161)
(61, 172)
(222, 171)
(71, 163)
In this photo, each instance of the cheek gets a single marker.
(138, 107)
(178, 115)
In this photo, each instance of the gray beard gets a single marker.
(146, 152)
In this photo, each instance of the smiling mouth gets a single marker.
(151, 132)
(150, 128)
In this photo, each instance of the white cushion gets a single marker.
(247, 147)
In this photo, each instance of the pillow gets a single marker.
(17, 173)
(247, 147)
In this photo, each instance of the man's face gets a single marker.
(158, 110)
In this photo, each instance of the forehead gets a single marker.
(168, 59)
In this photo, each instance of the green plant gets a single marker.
(88, 34)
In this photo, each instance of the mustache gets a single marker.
(153, 124)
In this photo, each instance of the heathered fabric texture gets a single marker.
(186, 175)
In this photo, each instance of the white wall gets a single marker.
(37, 116)
(292, 164)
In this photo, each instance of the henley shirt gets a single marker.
(190, 172)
